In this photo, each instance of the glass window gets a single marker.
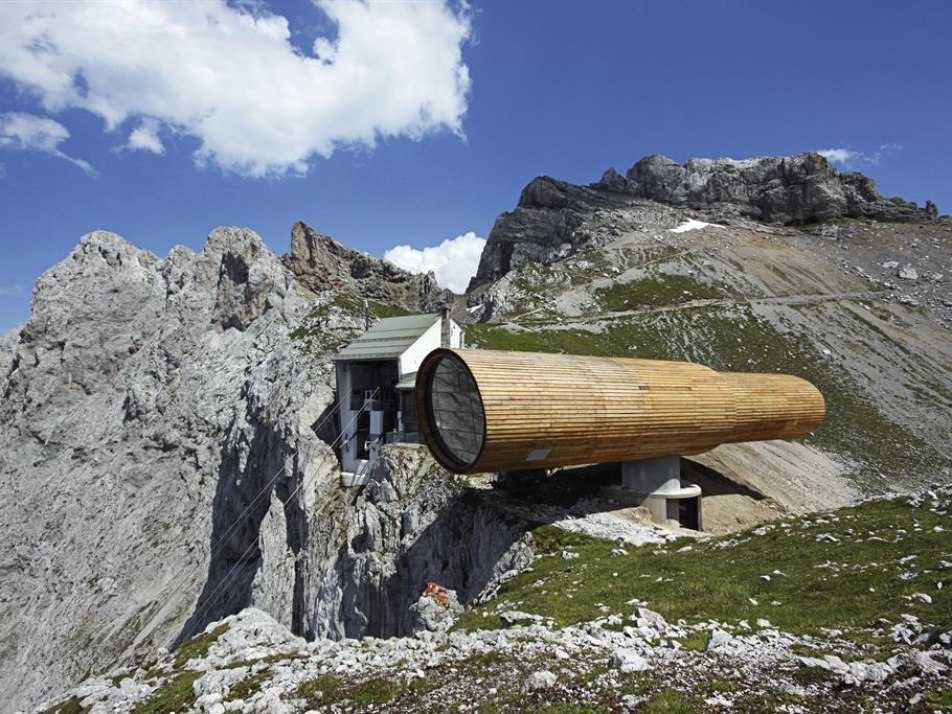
(457, 411)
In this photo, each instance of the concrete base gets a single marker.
(656, 484)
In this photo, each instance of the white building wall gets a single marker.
(411, 360)
(456, 335)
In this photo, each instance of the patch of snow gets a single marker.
(693, 225)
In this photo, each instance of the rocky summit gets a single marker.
(320, 263)
(176, 537)
(800, 189)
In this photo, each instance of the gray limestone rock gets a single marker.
(541, 679)
(513, 617)
(436, 610)
(629, 660)
(321, 263)
(719, 641)
(553, 219)
(163, 464)
(129, 446)
(781, 189)
(412, 524)
(613, 181)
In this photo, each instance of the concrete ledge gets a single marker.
(665, 508)
(636, 498)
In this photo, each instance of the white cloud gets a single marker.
(454, 261)
(28, 132)
(839, 156)
(229, 75)
(145, 137)
(11, 290)
(849, 159)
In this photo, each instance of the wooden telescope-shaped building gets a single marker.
(482, 411)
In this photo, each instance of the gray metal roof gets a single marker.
(388, 339)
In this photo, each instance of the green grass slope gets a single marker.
(857, 570)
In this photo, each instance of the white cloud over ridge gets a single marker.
(838, 156)
(230, 77)
(454, 261)
(26, 132)
(849, 159)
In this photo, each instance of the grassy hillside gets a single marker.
(802, 600)
(847, 569)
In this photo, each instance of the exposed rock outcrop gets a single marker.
(413, 524)
(551, 220)
(117, 398)
(774, 189)
(320, 263)
(161, 461)
(550, 223)
(163, 466)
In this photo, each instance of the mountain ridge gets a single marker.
(803, 188)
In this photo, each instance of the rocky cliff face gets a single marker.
(411, 525)
(162, 464)
(551, 220)
(120, 397)
(321, 263)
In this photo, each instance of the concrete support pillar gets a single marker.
(658, 475)
(656, 485)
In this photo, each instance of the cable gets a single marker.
(224, 581)
(238, 519)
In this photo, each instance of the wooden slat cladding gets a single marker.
(544, 410)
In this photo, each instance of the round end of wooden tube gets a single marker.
(450, 410)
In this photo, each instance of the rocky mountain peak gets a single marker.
(320, 263)
(549, 222)
(250, 279)
(774, 189)
(99, 253)
(544, 192)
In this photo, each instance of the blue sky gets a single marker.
(421, 121)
